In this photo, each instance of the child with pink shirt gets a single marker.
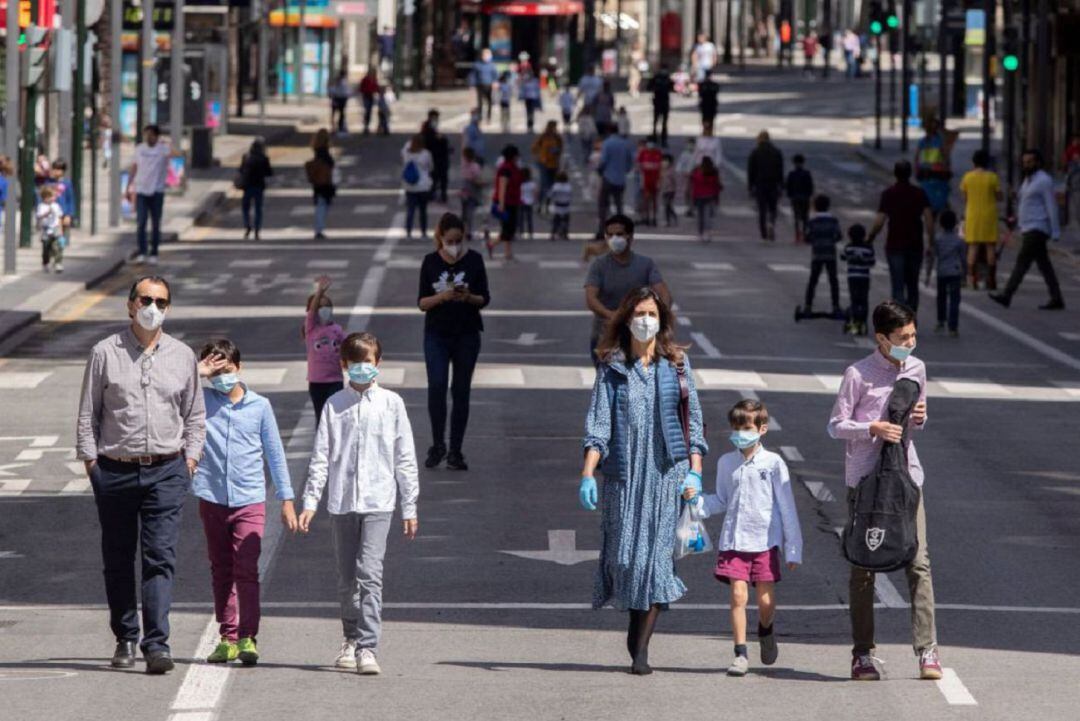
(323, 338)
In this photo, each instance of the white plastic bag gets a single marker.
(691, 536)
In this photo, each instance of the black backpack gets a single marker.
(880, 534)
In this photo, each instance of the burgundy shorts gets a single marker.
(750, 567)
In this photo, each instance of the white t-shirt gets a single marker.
(423, 163)
(528, 193)
(151, 167)
(707, 146)
(49, 218)
(706, 55)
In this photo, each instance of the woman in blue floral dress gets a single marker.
(649, 450)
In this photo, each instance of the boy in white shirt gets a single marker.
(50, 221)
(364, 453)
(562, 196)
(753, 491)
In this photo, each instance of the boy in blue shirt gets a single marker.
(822, 234)
(949, 255)
(241, 433)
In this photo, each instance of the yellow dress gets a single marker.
(980, 187)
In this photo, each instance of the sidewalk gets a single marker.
(29, 293)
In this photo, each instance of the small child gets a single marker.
(323, 337)
(859, 256)
(800, 188)
(753, 490)
(472, 188)
(823, 233)
(705, 187)
(950, 252)
(528, 200)
(50, 221)
(649, 160)
(684, 166)
(669, 186)
(562, 195)
(65, 194)
(385, 99)
(622, 122)
(363, 492)
(241, 434)
(567, 101)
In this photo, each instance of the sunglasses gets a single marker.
(146, 300)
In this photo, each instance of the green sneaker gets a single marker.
(226, 651)
(249, 655)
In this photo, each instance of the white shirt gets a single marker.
(707, 146)
(151, 167)
(423, 163)
(49, 218)
(758, 506)
(364, 451)
(528, 193)
(706, 55)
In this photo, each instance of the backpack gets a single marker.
(880, 533)
(319, 173)
(410, 174)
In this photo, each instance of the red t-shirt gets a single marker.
(513, 186)
(903, 204)
(649, 160)
(704, 187)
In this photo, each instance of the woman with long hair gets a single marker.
(320, 173)
(453, 289)
(649, 445)
(416, 168)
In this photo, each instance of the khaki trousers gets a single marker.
(920, 586)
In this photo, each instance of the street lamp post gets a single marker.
(116, 20)
(11, 134)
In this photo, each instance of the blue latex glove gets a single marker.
(587, 493)
(692, 480)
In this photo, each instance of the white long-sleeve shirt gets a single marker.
(759, 508)
(364, 452)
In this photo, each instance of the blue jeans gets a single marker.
(904, 270)
(322, 207)
(253, 196)
(948, 300)
(139, 508)
(440, 351)
(415, 201)
(148, 206)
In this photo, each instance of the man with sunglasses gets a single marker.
(140, 433)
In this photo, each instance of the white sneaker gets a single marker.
(347, 657)
(367, 664)
(139, 259)
(153, 260)
(59, 267)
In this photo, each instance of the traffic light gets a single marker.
(33, 56)
(1010, 57)
(892, 21)
(877, 18)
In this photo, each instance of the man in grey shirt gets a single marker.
(140, 433)
(614, 274)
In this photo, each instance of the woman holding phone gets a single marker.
(453, 289)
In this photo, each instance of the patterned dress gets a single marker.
(637, 567)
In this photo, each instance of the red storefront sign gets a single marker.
(46, 13)
(531, 9)
(671, 32)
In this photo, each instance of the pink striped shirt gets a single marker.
(863, 398)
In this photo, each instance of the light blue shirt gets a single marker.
(616, 160)
(484, 73)
(239, 436)
(1038, 207)
(474, 138)
(758, 505)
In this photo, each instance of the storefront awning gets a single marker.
(313, 18)
(525, 8)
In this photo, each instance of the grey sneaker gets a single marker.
(347, 657)
(739, 666)
(367, 665)
(769, 650)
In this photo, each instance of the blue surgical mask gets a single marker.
(744, 439)
(362, 373)
(225, 382)
(900, 353)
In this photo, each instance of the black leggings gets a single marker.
(440, 352)
(320, 393)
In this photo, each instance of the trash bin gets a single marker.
(202, 148)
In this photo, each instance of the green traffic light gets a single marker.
(1010, 62)
(875, 27)
(893, 22)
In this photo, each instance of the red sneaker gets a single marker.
(863, 668)
(929, 664)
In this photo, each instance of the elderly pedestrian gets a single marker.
(649, 446)
(140, 435)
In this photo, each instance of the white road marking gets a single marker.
(714, 266)
(14, 487)
(705, 345)
(328, 264)
(22, 381)
(300, 211)
(35, 441)
(819, 491)
(498, 377)
(792, 454)
(561, 265)
(830, 382)
(887, 593)
(787, 268)
(954, 690)
(973, 388)
(251, 263)
(36, 454)
(1068, 335)
(405, 263)
(77, 486)
(562, 549)
(716, 377)
(264, 376)
(369, 209)
(682, 320)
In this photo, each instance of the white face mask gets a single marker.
(454, 250)
(150, 317)
(617, 244)
(645, 328)
(326, 314)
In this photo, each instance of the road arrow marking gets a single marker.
(35, 441)
(36, 454)
(562, 549)
(5, 466)
(528, 340)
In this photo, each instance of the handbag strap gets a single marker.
(684, 402)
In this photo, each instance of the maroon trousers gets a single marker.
(233, 542)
